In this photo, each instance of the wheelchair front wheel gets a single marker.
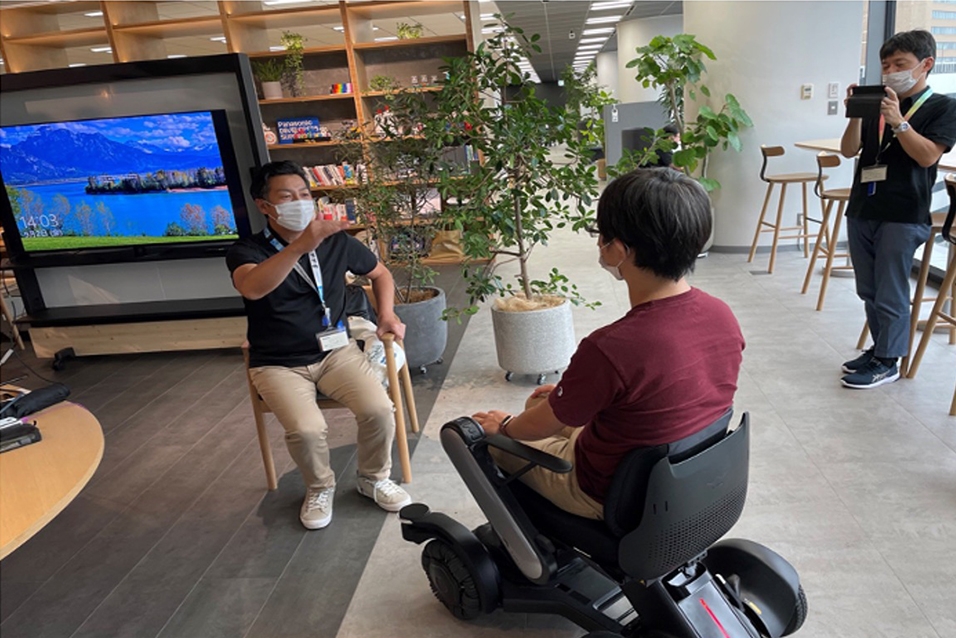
(450, 580)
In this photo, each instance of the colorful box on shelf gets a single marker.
(300, 130)
(341, 88)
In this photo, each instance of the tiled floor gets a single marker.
(176, 537)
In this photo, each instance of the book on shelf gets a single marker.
(330, 175)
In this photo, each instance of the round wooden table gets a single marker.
(38, 481)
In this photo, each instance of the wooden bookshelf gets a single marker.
(344, 43)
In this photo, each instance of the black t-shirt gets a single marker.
(283, 324)
(907, 193)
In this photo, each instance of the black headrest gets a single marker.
(624, 503)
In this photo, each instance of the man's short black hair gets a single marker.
(261, 177)
(662, 215)
(671, 129)
(920, 43)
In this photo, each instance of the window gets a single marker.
(944, 15)
(943, 30)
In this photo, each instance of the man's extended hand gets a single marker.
(315, 233)
(390, 323)
(490, 421)
(890, 108)
(542, 391)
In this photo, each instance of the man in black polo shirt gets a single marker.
(889, 210)
(292, 280)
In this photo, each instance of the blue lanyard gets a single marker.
(316, 273)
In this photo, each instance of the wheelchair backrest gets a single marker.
(624, 501)
(688, 505)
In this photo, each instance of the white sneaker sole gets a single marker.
(876, 384)
(316, 524)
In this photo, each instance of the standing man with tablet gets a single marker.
(888, 216)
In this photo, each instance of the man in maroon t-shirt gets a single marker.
(665, 370)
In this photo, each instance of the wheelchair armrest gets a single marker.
(528, 453)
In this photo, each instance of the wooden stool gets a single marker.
(775, 228)
(947, 290)
(938, 220)
(826, 243)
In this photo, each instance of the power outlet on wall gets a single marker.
(833, 90)
(832, 107)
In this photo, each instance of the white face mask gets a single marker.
(295, 215)
(614, 270)
(902, 81)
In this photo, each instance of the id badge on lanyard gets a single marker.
(331, 337)
(872, 175)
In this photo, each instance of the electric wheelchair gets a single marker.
(651, 568)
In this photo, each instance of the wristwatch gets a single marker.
(902, 128)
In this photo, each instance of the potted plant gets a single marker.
(294, 57)
(409, 31)
(585, 96)
(675, 66)
(511, 202)
(395, 194)
(270, 73)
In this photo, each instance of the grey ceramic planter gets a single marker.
(426, 334)
(536, 342)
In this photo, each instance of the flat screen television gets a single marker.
(145, 181)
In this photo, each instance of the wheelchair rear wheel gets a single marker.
(799, 613)
(450, 580)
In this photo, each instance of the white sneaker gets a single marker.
(316, 511)
(386, 493)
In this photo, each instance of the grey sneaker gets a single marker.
(859, 363)
(872, 375)
(316, 511)
(385, 492)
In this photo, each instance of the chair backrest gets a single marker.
(767, 152)
(688, 505)
(950, 181)
(824, 160)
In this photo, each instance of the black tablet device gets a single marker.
(865, 101)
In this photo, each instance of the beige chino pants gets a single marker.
(561, 489)
(346, 376)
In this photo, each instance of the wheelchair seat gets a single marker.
(665, 505)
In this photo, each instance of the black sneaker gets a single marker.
(853, 365)
(872, 375)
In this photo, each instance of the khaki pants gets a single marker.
(346, 376)
(561, 489)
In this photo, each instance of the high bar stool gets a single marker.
(938, 223)
(826, 243)
(783, 179)
(946, 291)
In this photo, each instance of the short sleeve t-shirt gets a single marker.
(283, 325)
(664, 371)
(906, 195)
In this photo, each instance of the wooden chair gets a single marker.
(826, 243)
(783, 179)
(260, 408)
(947, 290)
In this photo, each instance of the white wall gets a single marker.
(606, 65)
(765, 51)
(638, 33)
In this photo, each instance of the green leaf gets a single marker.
(709, 184)
(734, 141)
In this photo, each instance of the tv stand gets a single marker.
(155, 326)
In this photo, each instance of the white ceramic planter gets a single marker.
(272, 90)
(534, 342)
(426, 334)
